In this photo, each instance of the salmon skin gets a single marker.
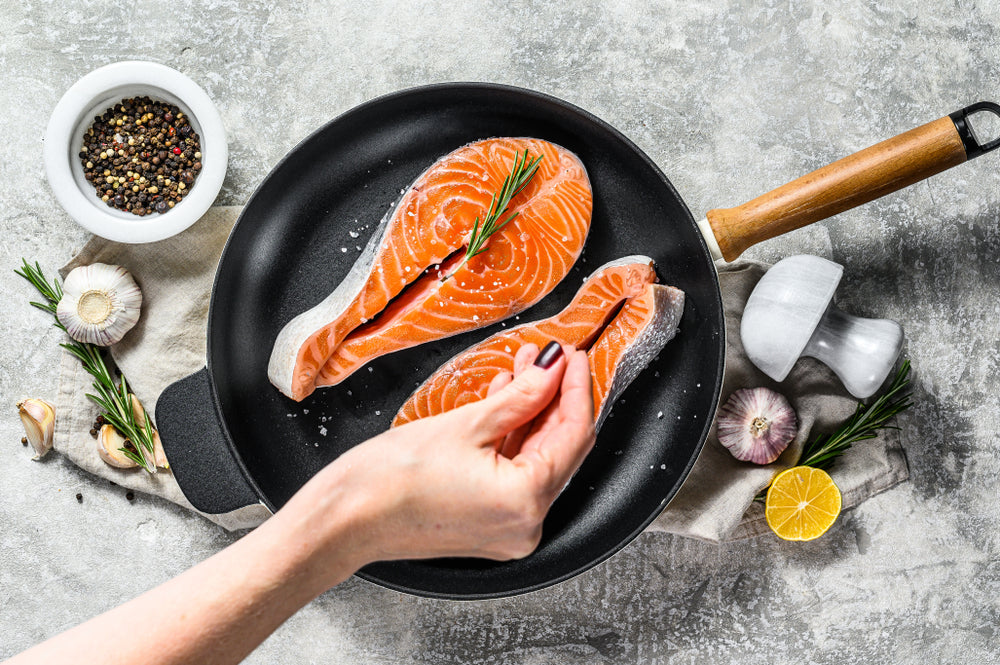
(619, 315)
(420, 241)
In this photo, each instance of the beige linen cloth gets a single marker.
(715, 503)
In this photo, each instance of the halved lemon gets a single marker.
(802, 503)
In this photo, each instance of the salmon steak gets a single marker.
(411, 284)
(620, 316)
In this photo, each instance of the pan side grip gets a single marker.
(849, 182)
(197, 448)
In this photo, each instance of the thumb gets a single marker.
(520, 400)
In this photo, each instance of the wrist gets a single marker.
(326, 528)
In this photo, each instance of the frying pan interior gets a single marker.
(297, 238)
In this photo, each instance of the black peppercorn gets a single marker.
(130, 495)
(79, 498)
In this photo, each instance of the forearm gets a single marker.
(220, 610)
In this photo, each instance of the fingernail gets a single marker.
(549, 355)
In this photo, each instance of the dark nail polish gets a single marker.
(549, 355)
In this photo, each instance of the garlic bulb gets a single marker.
(39, 419)
(109, 444)
(756, 425)
(100, 304)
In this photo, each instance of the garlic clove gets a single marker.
(109, 445)
(137, 411)
(159, 457)
(39, 419)
(100, 303)
(756, 425)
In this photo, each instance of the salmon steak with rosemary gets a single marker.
(484, 233)
(620, 316)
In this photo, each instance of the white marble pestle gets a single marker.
(791, 314)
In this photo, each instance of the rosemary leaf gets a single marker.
(114, 400)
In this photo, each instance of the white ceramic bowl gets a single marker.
(93, 95)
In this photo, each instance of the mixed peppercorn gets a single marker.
(141, 155)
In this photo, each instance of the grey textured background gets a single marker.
(730, 99)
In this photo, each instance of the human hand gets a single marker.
(476, 481)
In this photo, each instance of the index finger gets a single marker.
(561, 448)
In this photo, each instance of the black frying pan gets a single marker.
(234, 440)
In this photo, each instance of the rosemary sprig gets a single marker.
(520, 175)
(865, 424)
(115, 400)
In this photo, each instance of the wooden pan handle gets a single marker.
(862, 177)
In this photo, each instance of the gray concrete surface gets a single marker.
(730, 99)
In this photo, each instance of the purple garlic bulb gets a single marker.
(756, 425)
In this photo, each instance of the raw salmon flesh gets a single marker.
(619, 315)
(394, 297)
